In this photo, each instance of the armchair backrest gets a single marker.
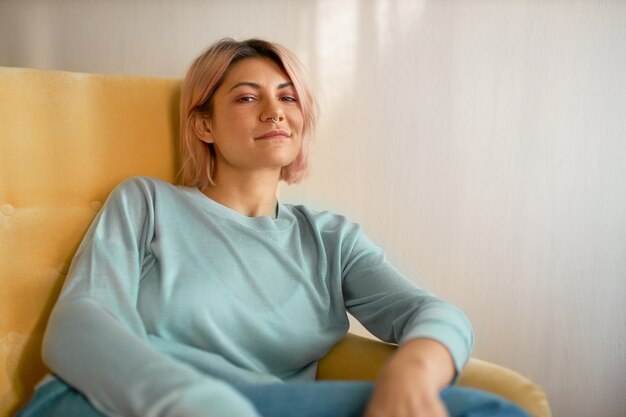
(66, 139)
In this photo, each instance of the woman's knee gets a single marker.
(309, 399)
(468, 402)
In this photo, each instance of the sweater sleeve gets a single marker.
(395, 309)
(96, 340)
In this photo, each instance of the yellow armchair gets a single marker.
(66, 139)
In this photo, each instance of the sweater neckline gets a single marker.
(282, 222)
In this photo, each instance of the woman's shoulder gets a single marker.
(142, 184)
(334, 228)
(323, 220)
(138, 181)
(140, 189)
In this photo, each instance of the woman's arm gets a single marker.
(123, 375)
(96, 340)
(435, 338)
(395, 309)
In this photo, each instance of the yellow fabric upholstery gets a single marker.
(66, 139)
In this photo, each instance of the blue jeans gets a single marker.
(302, 399)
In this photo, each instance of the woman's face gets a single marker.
(257, 121)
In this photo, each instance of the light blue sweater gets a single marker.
(172, 296)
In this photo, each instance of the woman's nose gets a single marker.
(272, 113)
(273, 117)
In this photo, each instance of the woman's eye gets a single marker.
(289, 98)
(245, 99)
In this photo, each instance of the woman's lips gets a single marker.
(274, 134)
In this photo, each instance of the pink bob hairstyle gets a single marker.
(205, 76)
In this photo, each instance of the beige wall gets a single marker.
(482, 143)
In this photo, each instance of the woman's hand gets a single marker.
(409, 384)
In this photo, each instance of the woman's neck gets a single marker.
(252, 194)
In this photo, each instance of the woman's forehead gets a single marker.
(260, 71)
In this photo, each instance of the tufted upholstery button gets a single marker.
(63, 268)
(96, 206)
(7, 209)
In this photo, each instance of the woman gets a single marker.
(213, 299)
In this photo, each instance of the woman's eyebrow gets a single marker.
(258, 86)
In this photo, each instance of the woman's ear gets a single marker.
(202, 128)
